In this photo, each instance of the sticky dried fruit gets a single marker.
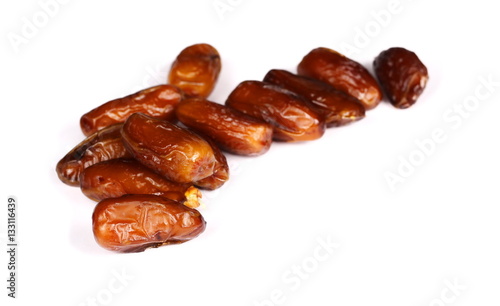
(342, 73)
(158, 101)
(103, 145)
(231, 130)
(221, 171)
(117, 177)
(196, 70)
(134, 223)
(292, 117)
(402, 76)
(337, 107)
(177, 153)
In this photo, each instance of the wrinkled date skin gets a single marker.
(117, 177)
(292, 117)
(158, 101)
(134, 223)
(103, 145)
(337, 107)
(402, 76)
(221, 170)
(196, 70)
(342, 73)
(177, 153)
(231, 130)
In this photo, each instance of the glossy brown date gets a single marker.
(117, 177)
(337, 107)
(231, 130)
(103, 145)
(342, 73)
(158, 101)
(402, 76)
(134, 223)
(221, 171)
(177, 153)
(292, 117)
(196, 70)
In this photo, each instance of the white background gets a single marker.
(434, 240)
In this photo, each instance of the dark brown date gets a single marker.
(221, 171)
(292, 117)
(158, 101)
(342, 73)
(196, 70)
(402, 76)
(103, 145)
(337, 107)
(117, 177)
(231, 130)
(177, 153)
(134, 223)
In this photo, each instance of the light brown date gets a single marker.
(158, 101)
(402, 76)
(292, 117)
(342, 73)
(230, 129)
(196, 70)
(221, 170)
(134, 223)
(117, 177)
(337, 107)
(103, 145)
(177, 153)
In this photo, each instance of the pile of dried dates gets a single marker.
(147, 155)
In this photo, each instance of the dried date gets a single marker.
(402, 76)
(177, 153)
(337, 107)
(292, 117)
(134, 223)
(117, 177)
(342, 73)
(158, 101)
(103, 145)
(231, 130)
(196, 70)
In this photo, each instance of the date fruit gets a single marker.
(292, 117)
(103, 145)
(402, 76)
(117, 177)
(196, 70)
(134, 223)
(231, 130)
(337, 107)
(177, 153)
(342, 73)
(221, 171)
(158, 101)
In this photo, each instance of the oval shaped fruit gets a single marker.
(221, 171)
(230, 129)
(402, 76)
(103, 145)
(158, 101)
(342, 73)
(196, 70)
(292, 117)
(177, 153)
(117, 177)
(337, 107)
(134, 223)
